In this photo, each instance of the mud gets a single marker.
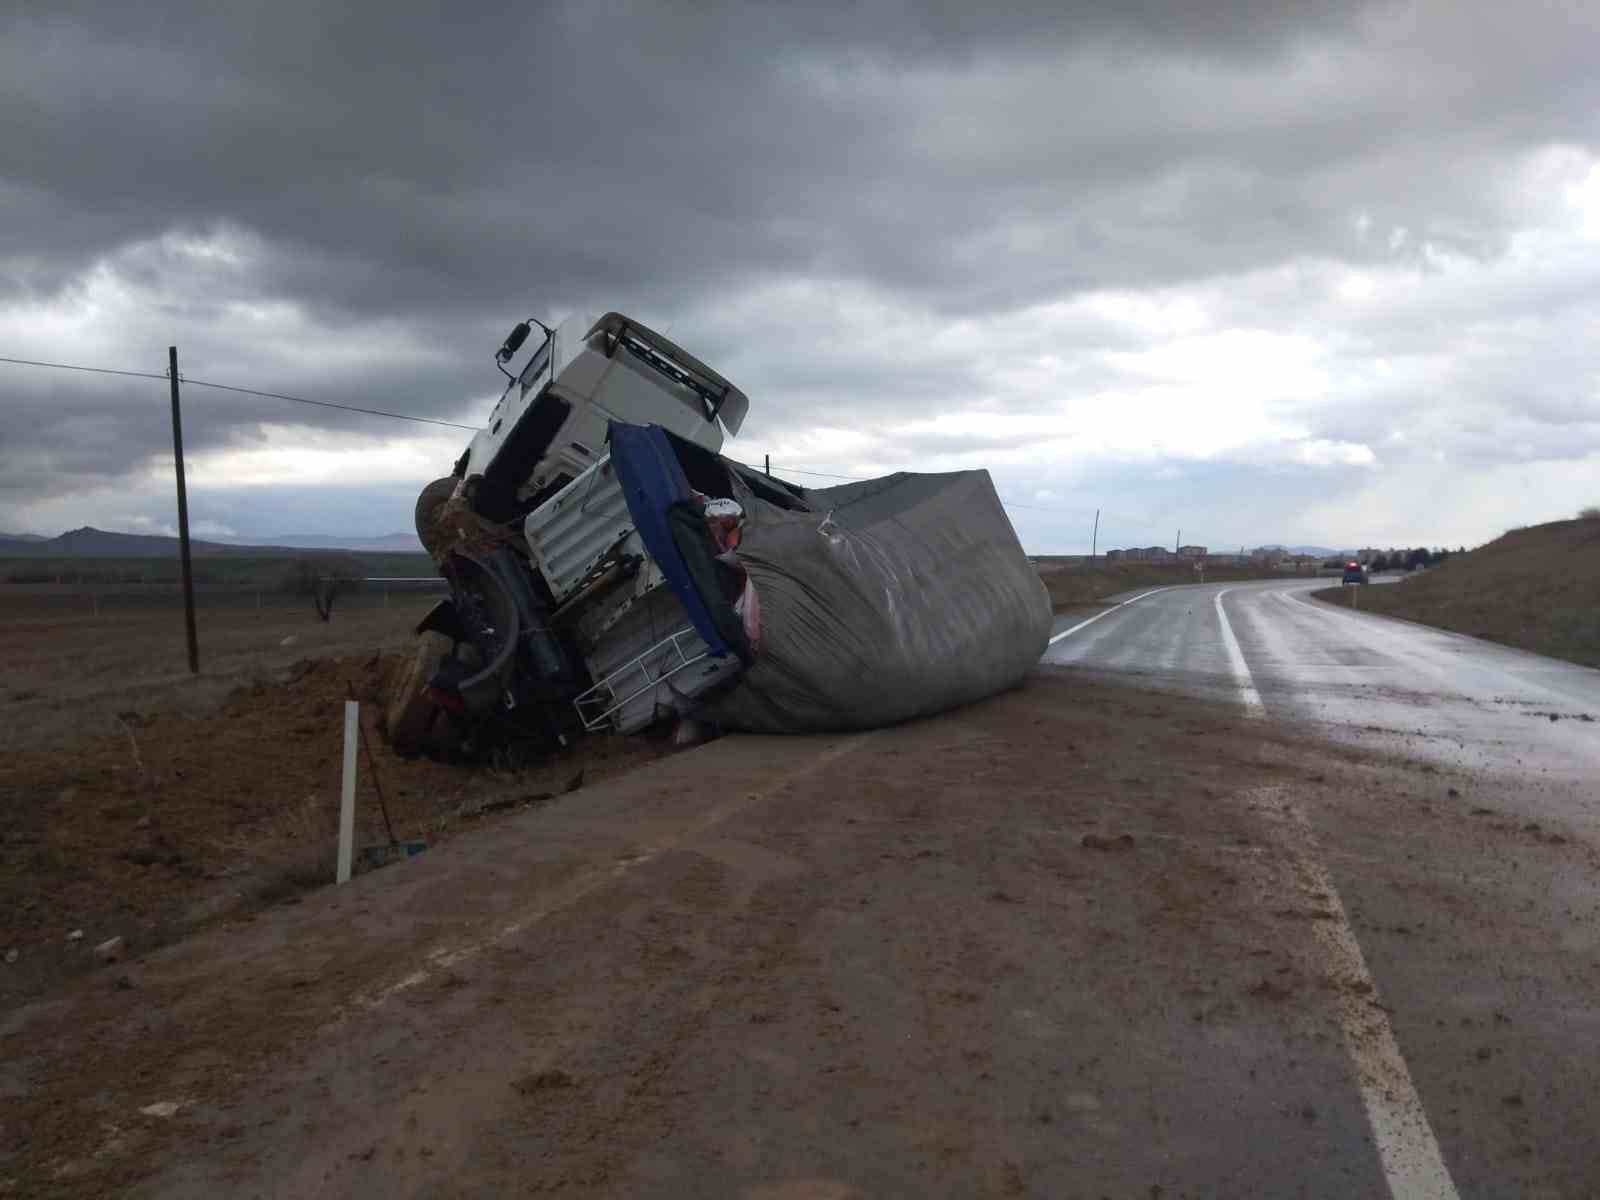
(150, 818)
(884, 964)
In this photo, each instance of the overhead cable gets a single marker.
(243, 391)
(378, 412)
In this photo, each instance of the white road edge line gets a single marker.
(1413, 1165)
(1107, 613)
(1241, 671)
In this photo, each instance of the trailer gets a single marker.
(611, 569)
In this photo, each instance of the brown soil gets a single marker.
(65, 672)
(147, 814)
(1537, 589)
(895, 963)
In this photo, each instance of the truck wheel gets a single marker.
(414, 723)
(429, 501)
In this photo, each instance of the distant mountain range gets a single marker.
(89, 542)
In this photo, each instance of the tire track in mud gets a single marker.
(443, 958)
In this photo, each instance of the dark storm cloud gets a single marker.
(410, 159)
(394, 177)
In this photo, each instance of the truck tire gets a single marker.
(415, 724)
(429, 502)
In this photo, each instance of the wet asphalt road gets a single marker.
(1473, 901)
(1366, 678)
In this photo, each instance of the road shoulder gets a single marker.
(1019, 948)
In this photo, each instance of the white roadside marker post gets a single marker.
(347, 802)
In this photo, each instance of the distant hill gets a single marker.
(89, 542)
(1536, 588)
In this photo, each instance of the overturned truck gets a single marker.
(610, 569)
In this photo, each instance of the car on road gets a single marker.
(1354, 572)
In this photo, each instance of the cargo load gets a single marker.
(610, 569)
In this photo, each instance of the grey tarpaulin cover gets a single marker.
(893, 598)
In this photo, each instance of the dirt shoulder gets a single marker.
(1536, 589)
(982, 954)
(147, 813)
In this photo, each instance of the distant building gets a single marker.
(1113, 555)
(1269, 556)
(1191, 551)
(1144, 553)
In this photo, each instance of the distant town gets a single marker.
(1273, 557)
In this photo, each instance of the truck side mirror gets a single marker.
(513, 342)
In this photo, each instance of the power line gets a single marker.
(818, 474)
(378, 412)
(29, 362)
(371, 412)
(243, 391)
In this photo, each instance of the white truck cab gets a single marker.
(579, 587)
(550, 423)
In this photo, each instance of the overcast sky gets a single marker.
(1255, 269)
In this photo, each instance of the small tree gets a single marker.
(1589, 513)
(1380, 562)
(324, 580)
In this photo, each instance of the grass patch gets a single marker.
(293, 850)
(1536, 588)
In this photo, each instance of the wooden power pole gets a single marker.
(183, 515)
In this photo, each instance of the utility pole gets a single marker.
(183, 515)
(1094, 540)
(767, 460)
(1178, 541)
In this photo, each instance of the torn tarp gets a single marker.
(890, 599)
(850, 607)
(672, 527)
